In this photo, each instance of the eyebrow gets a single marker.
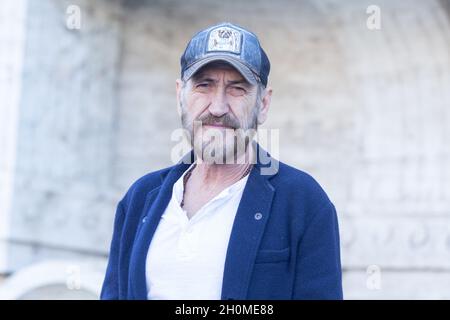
(205, 78)
(243, 82)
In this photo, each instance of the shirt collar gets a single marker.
(178, 187)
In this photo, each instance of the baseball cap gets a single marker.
(229, 43)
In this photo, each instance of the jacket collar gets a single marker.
(251, 218)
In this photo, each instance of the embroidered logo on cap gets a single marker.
(225, 39)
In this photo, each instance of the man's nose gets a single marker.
(219, 104)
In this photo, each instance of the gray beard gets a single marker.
(207, 152)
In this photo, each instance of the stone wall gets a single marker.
(12, 17)
(62, 196)
(366, 112)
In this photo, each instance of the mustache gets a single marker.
(225, 120)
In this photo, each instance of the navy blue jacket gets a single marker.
(284, 243)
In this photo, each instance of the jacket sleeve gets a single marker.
(318, 273)
(110, 289)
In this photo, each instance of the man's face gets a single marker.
(218, 107)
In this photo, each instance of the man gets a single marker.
(220, 224)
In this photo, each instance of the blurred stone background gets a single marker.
(86, 111)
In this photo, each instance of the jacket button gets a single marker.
(258, 216)
(144, 219)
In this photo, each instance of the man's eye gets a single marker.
(202, 85)
(238, 90)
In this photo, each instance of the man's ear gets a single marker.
(265, 104)
(179, 87)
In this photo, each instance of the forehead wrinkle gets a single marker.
(207, 74)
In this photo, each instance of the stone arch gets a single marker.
(54, 279)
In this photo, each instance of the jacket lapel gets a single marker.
(248, 228)
(145, 234)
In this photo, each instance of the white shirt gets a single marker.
(186, 257)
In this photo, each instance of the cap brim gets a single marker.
(239, 66)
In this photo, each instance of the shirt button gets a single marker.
(258, 216)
